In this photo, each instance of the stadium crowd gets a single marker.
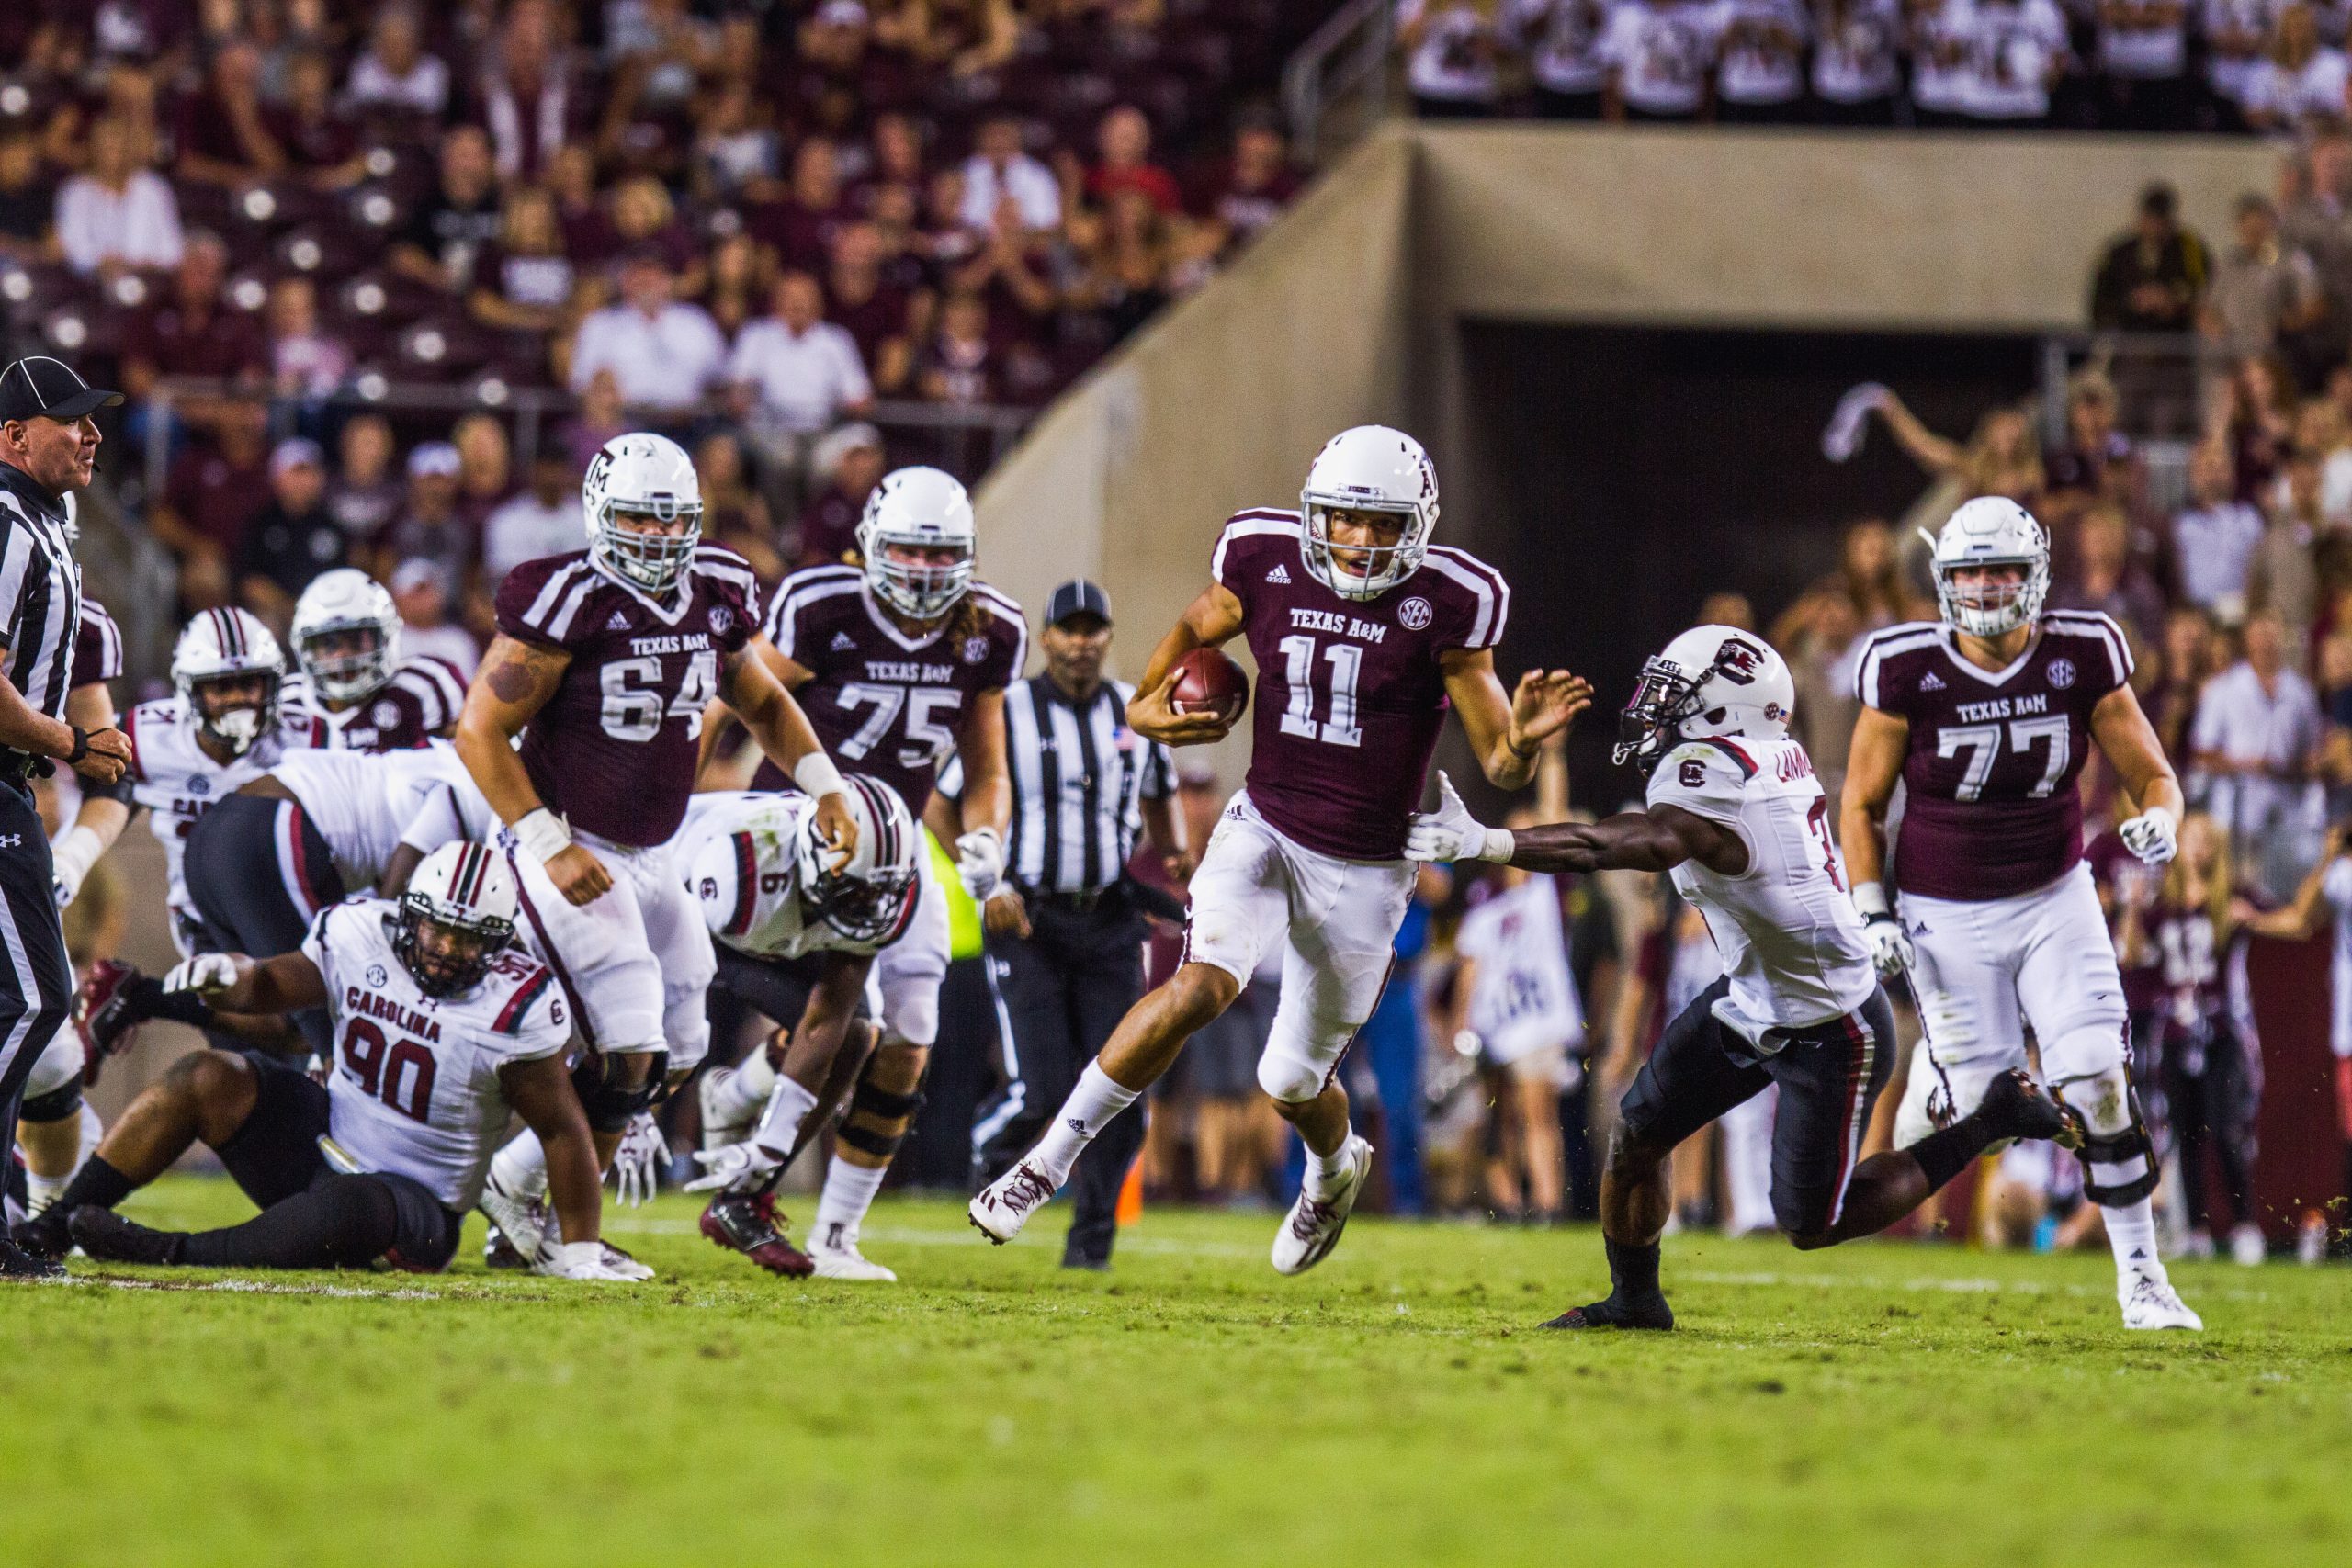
(760, 228)
(2145, 66)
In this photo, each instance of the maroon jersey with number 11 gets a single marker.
(1350, 694)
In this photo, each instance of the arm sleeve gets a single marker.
(436, 821)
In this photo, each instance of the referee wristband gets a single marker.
(542, 832)
(816, 774)
(81, 748)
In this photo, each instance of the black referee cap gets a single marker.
(37, 387)
(1077, 597)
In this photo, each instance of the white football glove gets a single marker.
(1890, 949)
(2153, 836)
(1451, 833)
(581, 1260)
(979, 860)
(637, 1162)
(731, 1164)
(207, 974)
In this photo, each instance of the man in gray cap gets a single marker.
(48, 444)
(1066, 934)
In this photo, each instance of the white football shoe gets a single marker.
(615, 1261)
(1312, 1228)
(521, 1222)
(1005, 1205)
(2150, 1302)
(717, 1132)
(2247, 1247)
(834, 1248)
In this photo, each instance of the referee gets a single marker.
(48, 444)
(1066, 931)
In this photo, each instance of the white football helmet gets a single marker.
(922, 507)
(643, 475)
(870, 900)
(336, 603)
(1369, 469)
(1710, 681)
(457, 912)
(1991, 530)
(227, 645)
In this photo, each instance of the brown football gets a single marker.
(1207, 681)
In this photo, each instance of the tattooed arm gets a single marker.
(515, 682)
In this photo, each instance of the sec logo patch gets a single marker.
(2062, 673)
(974, 650)
(378, 976)
(1415, 613)
(721, 619)
(387, 714)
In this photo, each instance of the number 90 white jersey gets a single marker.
(1786, 926)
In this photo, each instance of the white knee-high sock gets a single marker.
(787, 1107)
(1091, 1105)
(521, 1168)
(849, 1192)
(2131, 1233)
(738, 1094)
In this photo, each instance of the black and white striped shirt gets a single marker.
(40, 597)
(1079, 778)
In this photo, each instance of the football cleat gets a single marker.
(834, 1249)
(1614, 1314)
(2148, 1302)
(102, 1014)
(1005, 1205)
(2247, 1247)
(749, 1224)
(2015, 1106)
(519, 1221)
(1312, 1228)
(22, 1263)
(108, 1237)
(497, 1252)
(614, 1260)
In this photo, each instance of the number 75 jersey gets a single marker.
(1990, 806)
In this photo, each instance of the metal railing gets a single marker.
(1336, 84)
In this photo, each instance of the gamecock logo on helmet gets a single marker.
(1739, 661)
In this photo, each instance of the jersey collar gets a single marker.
(890, 629)
(668, 615)
(2000, 677)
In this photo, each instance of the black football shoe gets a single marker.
(1640, 1312)
(110, 1238)
(105, 1015)
(44, 1234)
(748, 1223)
(2015, 1106)
(21, 1263)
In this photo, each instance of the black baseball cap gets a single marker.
(1077, 597)
(37, 387)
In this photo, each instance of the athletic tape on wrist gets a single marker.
(542, 834)
(816, 774)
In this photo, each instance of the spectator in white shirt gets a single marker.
(795, 376)
(2015, 49)
(118, 214)
(2215, 537)
(2143, 54)
(544, 519)
(1857, 61)
(1941, 39)
(1661, 57)
(1453, 55)
(999, 168)
(2255, 740)
(2300, 78)
(421, 593)
(2236, 33)
(1561, 39)
(1759, 70)
(395, 73)
(663, 355)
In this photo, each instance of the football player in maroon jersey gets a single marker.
(1363, 633)
(1986, 719)
(603, 661)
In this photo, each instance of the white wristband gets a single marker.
(542, 833)
(1870, 897)
(1499, 846)
(816, 774)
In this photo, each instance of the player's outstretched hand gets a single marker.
(840, 829)
(639, 1159)
(2153, 836)
(729, 1164)
(578, 874)
(1449, 833)
(207, 973)
(1153, 716)
(108, 757)
(581, 1260)
(979, 862)
(1546, 702)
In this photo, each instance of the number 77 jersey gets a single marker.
(1990, 805)
(1350, 692)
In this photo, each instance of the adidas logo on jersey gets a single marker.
(620, 623)
(844, 643)
(1931, 682)
(1280, 574)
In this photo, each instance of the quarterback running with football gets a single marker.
(1734, 815)
(1986, 719)
(602, 664)
(1363, 633)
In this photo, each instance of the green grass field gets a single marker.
(1878, 1403)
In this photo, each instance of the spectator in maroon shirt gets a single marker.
(848, 463)
(1123, 142)
(740, 281)
(874, 311)
(528, 104)
(799, 225)
(210, 497)
(318, 144)
(219, 130)
(485, 468)
(1248, 191)
(893, 158)
(525, 282)
(28, 199)
(194, 333)
(960, 364)
(365, 493)
(450, 229)
(430, 528)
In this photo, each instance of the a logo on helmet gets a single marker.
(1739, 661)
(2062, 673)
(1414, 613)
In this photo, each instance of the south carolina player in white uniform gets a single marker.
(1363, 632)
(898, 662)
(443, 1032)
(796, 940)
(1734, 813)
(603, 661)
(351, 688)
(1986, 719)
